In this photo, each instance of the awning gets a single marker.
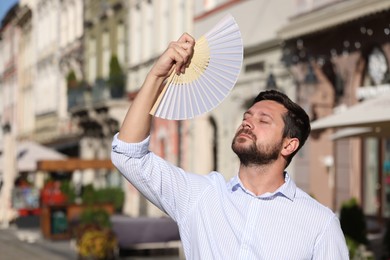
(32, 156)
(373, 113)
(331, 15)
(360, 132)
(28, 153)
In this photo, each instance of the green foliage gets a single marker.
(353, 222)
(116, 80)
(115, 67)
(97, 244)
(88, 195)
(113, 195)
(358, 251)
(352, 247)
(386, 240)
(94, 237)
(69, 191)
(71, 80)
(116, 76)
(96, 217)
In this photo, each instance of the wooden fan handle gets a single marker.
(158, 101)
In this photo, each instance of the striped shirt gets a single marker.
(223, 220)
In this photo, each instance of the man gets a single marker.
(259, 214)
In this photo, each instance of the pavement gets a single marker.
(29, 244)
(18, 243)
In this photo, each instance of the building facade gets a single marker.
(9, 90)
(346, 45)
(152, 25)
(210, 135)
(61, 62)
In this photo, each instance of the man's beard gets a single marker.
(253, 155)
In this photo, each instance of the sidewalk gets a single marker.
(28, 244)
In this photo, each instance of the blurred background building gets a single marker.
(69, 70)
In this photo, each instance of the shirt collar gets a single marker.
(287, 189)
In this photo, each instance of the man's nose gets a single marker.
(246, 124)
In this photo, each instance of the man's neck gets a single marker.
(261, 179)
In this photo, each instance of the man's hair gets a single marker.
(296, 120)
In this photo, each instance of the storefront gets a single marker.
(348, 45)
(370, 122)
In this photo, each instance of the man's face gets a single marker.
(258, 140)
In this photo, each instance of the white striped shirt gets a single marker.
(219, 220)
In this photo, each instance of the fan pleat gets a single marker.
(198, 106)
(213, 86)
(211, 75)
(204, 93)
(219, 83)
(187, 99)
(181, 110)
(163, 110)
(222, 26)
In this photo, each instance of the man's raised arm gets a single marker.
(136, 125)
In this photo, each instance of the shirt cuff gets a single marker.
(136, 150)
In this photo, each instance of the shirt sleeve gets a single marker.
(331, 244)
(168, 187)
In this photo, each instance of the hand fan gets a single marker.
(212, 73)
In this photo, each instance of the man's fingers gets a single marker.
(178, 59)
(186, 51)
(187, 38)
(177, 56)
(182, 53)
(187, 43)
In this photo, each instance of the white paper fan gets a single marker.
(212, 73)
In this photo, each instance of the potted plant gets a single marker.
(95, 239)
(71, 80)
(76, 90)
(114, 196)
(353, 222)
(116, 79)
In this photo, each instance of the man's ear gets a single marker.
(289, 146)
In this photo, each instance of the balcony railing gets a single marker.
(76, 97)
(84, 96)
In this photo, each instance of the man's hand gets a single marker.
(176, 57)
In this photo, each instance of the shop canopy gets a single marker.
(368, 118)
(331, 15)
(361, 132)
(32, 156)
(28, 153)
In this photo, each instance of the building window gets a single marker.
(92, 61)
(386, 174)
(121, 53)
(106, 53)
(135, 36)
(370, 176)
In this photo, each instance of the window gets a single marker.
(370, 177)
(106, 54)
(92, 61)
